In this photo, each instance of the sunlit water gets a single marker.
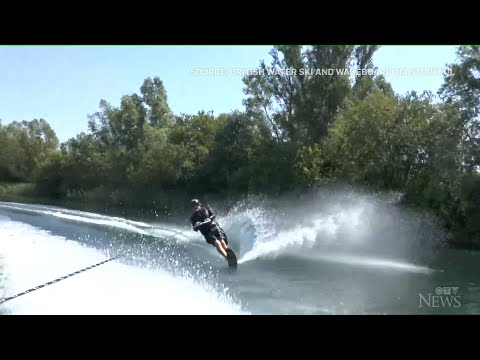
(351, 259)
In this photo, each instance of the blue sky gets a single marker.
(63, 84)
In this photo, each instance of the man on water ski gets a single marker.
(211, 231)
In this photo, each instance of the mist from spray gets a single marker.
(337, 224)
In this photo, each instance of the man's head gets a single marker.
(195, 204)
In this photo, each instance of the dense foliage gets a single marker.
(297, 130)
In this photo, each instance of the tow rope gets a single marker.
(57, 280)
(73, 273)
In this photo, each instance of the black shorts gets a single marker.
(215, 235)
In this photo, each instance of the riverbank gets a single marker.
(148, 204)
(155, 205)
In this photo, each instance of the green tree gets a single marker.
(300, 105)
(462, 87)
(24, 145)
(155, 97)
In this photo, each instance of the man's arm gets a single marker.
(192, 219)
(211, 215)
(203, 214)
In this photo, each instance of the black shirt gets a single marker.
(200, 216)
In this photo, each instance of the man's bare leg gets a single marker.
(221, 247)
(224, 244)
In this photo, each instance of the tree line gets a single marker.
(296, 131)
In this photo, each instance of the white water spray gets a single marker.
(342, 228)
(32, 256)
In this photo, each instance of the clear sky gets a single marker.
(63, 84)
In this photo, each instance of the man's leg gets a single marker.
(223, 235)
(213, 239)
(220, 247)
(224, 244)
(221, 238)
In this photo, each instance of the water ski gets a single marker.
(231, 258)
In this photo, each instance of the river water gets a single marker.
(351, 256)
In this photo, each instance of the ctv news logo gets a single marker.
(444, 297)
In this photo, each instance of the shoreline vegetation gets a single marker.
(297, 131)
